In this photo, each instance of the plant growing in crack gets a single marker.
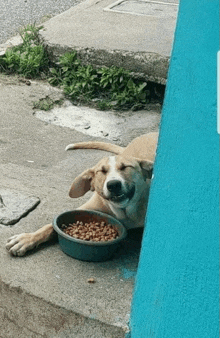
(104, 88)
(29, 59)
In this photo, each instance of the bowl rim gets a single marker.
(88, 243)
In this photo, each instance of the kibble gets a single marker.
(92, 231)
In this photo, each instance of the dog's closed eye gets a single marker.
(125, 166)
(103, 170)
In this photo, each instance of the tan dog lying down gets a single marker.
(120, 184)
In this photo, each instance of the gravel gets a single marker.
(15, 14)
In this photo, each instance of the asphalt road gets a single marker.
(15, 14)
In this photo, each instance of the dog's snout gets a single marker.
(114, 186)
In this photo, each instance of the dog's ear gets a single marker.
(147, 168)
(82, 184)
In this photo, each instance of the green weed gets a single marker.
(30, 59)
(113, 78)
(113, 87)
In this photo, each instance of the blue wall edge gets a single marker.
(176, 289)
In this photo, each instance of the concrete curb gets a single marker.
(140, 44)
(40, 318)
(149, 66)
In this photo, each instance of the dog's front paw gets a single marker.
(18, 245)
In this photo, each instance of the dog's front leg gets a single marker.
(18, 245)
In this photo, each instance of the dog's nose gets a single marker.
(114, 186)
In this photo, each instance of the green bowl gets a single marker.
(87, 250)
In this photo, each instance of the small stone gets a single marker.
(15, 205)
(91, 280)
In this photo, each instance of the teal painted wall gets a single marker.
(176, 289)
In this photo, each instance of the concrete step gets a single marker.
(106, 33)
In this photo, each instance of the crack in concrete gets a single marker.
(108, 124)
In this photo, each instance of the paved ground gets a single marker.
(120, 127)
(16, 14)
(46, 293)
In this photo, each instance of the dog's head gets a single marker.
(115, 178)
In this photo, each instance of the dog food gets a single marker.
(93, 231)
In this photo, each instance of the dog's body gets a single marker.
(120, 184)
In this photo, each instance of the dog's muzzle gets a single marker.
(117, 192)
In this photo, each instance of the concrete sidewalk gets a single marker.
(46, 293)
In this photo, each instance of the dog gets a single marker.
(120, 186)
